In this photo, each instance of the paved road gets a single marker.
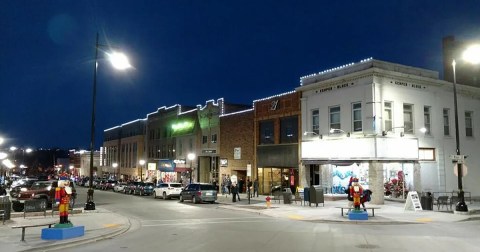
(172, 226)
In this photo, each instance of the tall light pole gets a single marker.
(142, 164)
(471, 55)
(191, 157)
(119, 61)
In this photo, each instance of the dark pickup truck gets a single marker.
(40, 190)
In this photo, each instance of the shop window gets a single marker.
(316, 121)
(289, 130)
(469, 123)
(387, 116)
(408, 118)
(446, 122)
(427, 120)
(426, 154)
(357, 116)
(266, 132)
(335, 117)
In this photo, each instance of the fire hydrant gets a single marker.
(269, 203)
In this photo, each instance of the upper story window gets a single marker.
(469, 123)
(446, 122)
(334, 117)
(266, 132)
(289, 130)
(426, 154)
(387, 116)
(427, 119)
(408, 118)
(357, 116)
(214, 138)
(316, 121)
(204, 139)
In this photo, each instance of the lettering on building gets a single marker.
(274, 105)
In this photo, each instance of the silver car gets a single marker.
(199, 192)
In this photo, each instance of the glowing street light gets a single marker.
(142, 164)
(120, 62)
(472, 55)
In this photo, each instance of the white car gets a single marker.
(167, 190)
(119, 187)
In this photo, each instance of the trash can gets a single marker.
(426, 200)
(6, 205)
(316, 195)
(306, 194)
(287, 197)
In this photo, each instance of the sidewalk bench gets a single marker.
(23, 227)
(366, 208)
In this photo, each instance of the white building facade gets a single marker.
(393, 128)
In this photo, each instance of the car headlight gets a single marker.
(23, 189)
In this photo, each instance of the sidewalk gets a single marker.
(391, 212)
(102, 224)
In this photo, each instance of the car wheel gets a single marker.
(17, 207)
(154, 195)
(194, 200)
(164, 195)
(181, 198)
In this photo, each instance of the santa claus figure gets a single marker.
(356, 191)
(63, 193)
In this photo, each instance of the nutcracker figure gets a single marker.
(356, 191)
(62, 197)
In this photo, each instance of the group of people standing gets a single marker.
(229, 187)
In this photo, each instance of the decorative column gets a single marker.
(375, 177)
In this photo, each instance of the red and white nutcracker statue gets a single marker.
(356, 191)
(62, 197)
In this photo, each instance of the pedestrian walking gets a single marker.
(255, 187)
(234, 191)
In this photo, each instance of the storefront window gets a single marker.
(398, 179)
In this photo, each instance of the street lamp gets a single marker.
(115, 165)
(142, 163)
(472, 55)
(191, 157)
(119, 61)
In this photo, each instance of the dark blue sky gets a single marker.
(187, 52)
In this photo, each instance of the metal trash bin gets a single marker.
(287, 197)
(426, 200)
(6, 205)
(306, 194)
(316, 195)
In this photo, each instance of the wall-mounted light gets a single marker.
(338, 131)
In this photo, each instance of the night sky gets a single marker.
(188, 52)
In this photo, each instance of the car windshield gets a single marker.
(175, 185)
(206, 187)
(148, 184)
(40, 185)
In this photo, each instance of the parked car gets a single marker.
(42, 190)
(100, 184)
(109, 184)
(130, 187)
(21, 185)
(167, 190)
(144, 188)
(199, 192)
(119, 187)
